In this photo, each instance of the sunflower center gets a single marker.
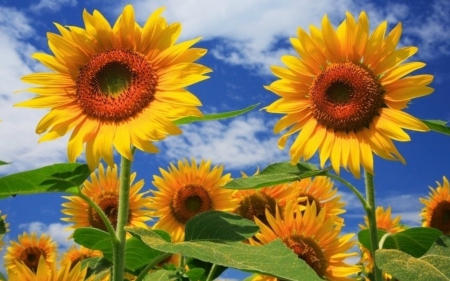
(30, 257)
(346, 97)
(109, 203)
(309, 199)
(116, 85)
(309, 251)
(189, 201)
(440, 218)
(255, 205)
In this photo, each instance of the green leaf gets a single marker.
(161, 275)
(138, 254)
(98, 266)
(4, 163)
(414, 241)
(276, 174)
(64, 177)
(194, 274)
(216, 225)
(2, 227)
(206, 266)
(437, 126)
(433, 266)
(2, 277)
(214, 116)
(265, 259)
(94, 239)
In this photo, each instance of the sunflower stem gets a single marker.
(152, 264)
(352, 188)
(122, 218)
(102, 215)
(212, 272)
(371, 217)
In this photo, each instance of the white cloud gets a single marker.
(243, 142)
(52, 5)
(57, 231)
(17, 131)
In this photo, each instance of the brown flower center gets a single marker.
(189, 201)
(30, 257)
(440, 218)
(109, 203)
(255, 205)
(116, 85)
(346, 97)
(309, 200)
(309, 251)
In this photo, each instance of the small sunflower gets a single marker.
(254, 202)
(312, 237)
(22, 272)
(384, 222)
(4, 228)
(345, 94)
(122, 85)
(321, 191)
(187, 190)
(28, 250)
(104, 190)
(436, 212)
(76, 254)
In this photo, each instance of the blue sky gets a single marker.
(243, 38)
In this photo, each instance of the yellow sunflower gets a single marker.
(22, 272)
(321, 191)
(187, 190)
(76, 254)
(122, 85)
(436, 212)
(104, 190)
(254, 202)
(345, 94)
(312, 237)
(28, 249)
(384, 222)
(4, 227)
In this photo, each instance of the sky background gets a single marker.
(243, 38)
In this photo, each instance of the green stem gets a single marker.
(371, 217)
(122, 219)
(352, 188)
(102, 215)
(152, 264)
(212, 272)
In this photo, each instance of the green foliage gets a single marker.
(433, 266)
(194, 274)
(64, 177)
(2, 277)
(276, 174)
(97, 266)
(162, 275)
(2, 227)
(437, 126)
(413, 241)
(94, 239)
(214, 116)
(4, 163)
(265, 259)
(222, 226)
(206, 266)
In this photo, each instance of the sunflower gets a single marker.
(312, 237)
(76, 254)
(384, 222)
(187, 190)
(28, 250)
(22, 272)
(321, 191)
(4, 228)
(254, 202)
(104, 190)
(345, 94)
(122, 85)
(436, 212)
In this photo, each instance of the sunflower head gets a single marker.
(28, 250)
(187, 190)
(436, 211)
(344, 93)
(4, 228)
(122, 85)
(103, 189)
(76, 254)
(312, 237)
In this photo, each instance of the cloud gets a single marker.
(57, 232)
(244, 142)
(52, 5)
(17, 131)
